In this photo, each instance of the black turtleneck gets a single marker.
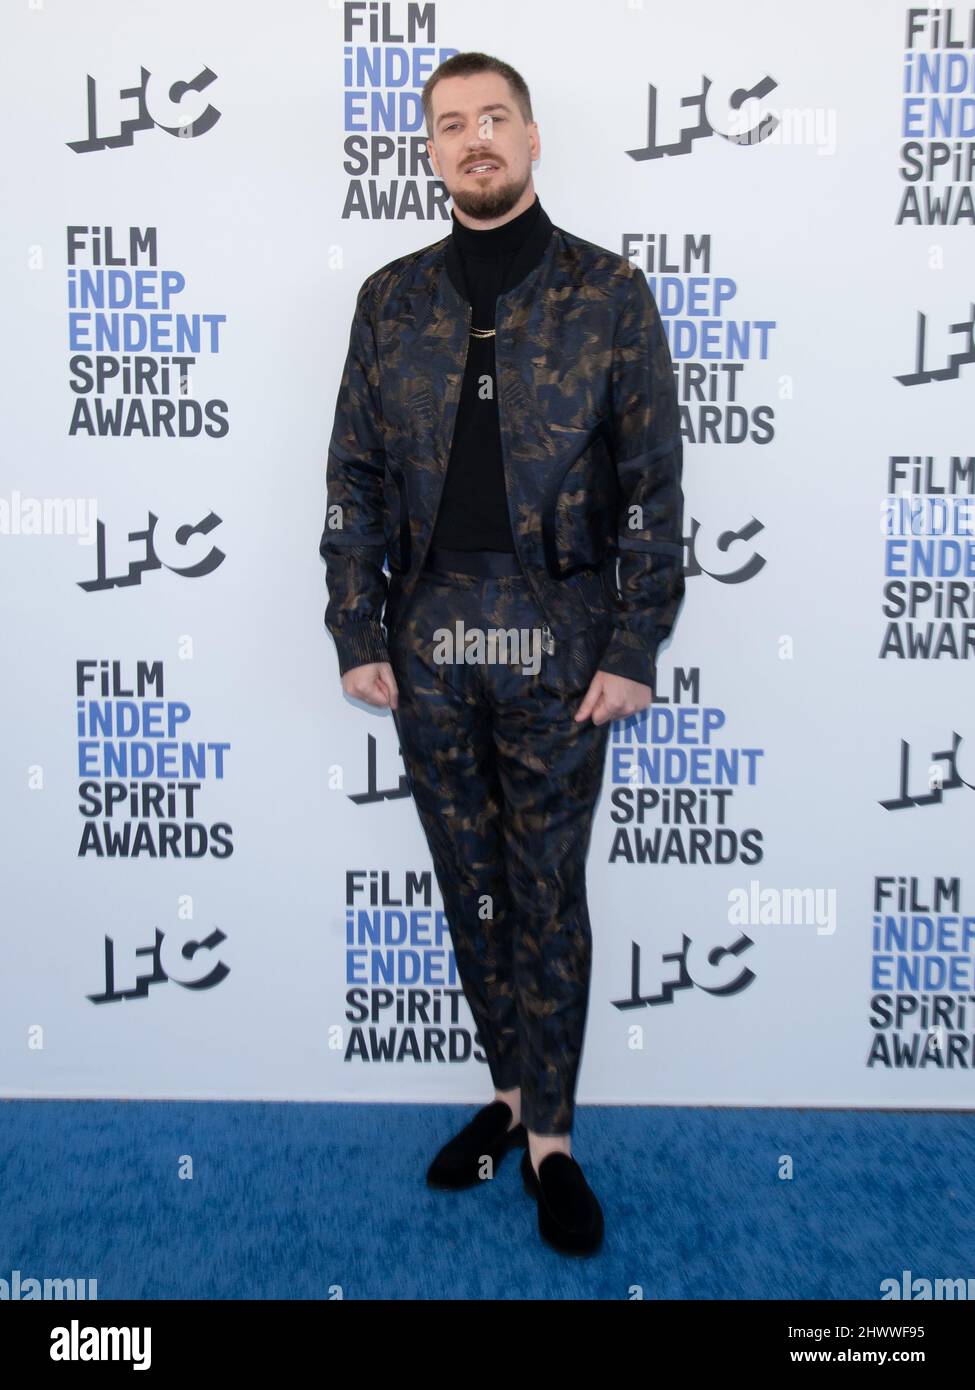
(473, 512)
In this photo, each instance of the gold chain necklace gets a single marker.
(482, 332)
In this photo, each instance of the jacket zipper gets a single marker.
(548, 640)
(450, 442)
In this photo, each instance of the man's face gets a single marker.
(477, 121)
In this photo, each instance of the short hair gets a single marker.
(466, 65)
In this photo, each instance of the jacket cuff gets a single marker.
(359, 643)
(631, 656)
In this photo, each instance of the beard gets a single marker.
(493, 201)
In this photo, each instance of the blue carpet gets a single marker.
(289, 1199)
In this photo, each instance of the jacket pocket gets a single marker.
(568, 671)
(578, 520)
(590, 586)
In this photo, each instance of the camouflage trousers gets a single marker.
(505, 784)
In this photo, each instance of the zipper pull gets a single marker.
(548, 641)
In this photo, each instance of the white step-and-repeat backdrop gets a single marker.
(215, 883)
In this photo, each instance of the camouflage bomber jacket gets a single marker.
(590, 440)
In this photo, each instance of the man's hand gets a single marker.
(613, 697)
(373, 682)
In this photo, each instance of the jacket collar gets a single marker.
(530, 255)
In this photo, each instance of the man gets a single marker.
(506, 432)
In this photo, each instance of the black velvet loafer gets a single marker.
(459, 1162)
(570, 1218)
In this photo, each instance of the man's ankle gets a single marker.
(541, 1145)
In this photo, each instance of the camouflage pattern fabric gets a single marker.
(590, 439)
(505, 784)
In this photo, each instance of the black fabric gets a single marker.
(473, 512)
(486, 563)
(458, 1164)
(569, 1215)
